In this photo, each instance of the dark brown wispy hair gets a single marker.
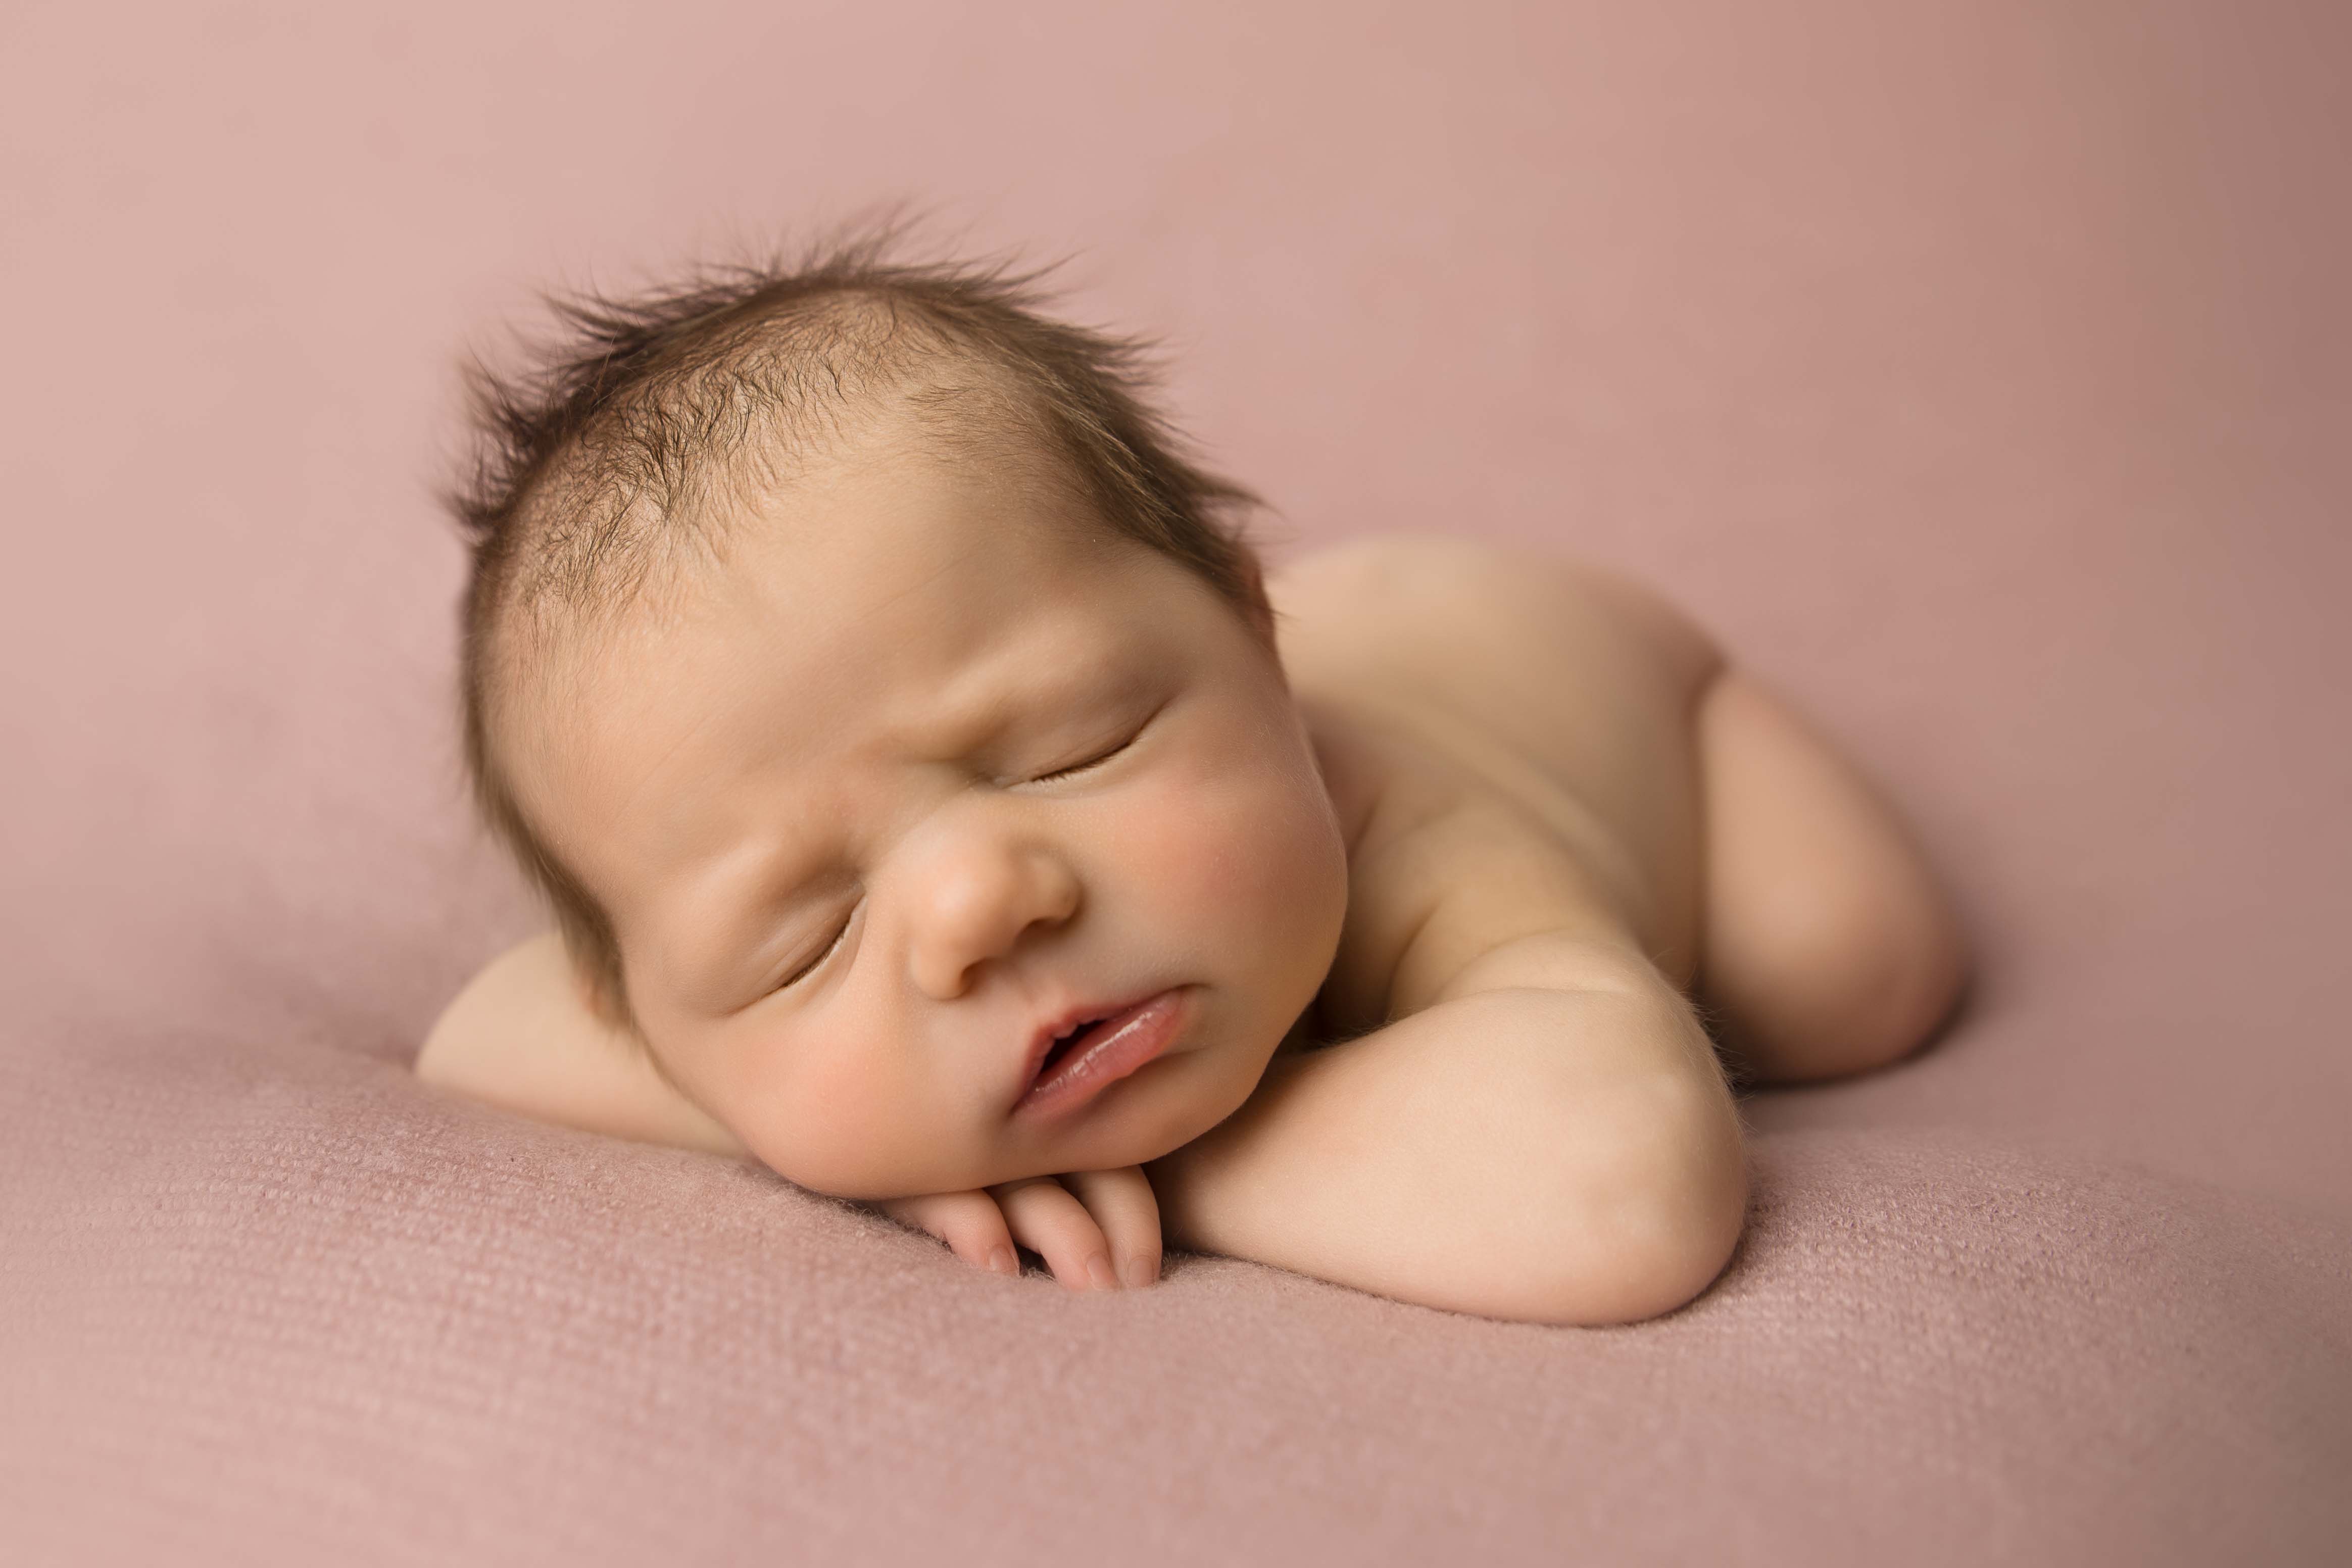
(601, 464)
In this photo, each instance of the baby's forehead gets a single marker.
(931, 662)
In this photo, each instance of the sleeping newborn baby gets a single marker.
(939, 806)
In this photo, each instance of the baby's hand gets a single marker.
(1097, 1229)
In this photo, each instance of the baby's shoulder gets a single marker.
(1541, 675)
(1497, 727)
(1434, 609)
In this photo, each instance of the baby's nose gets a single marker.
(979, 904)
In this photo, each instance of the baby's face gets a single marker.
(931, 768)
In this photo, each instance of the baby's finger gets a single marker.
(969, 1223)
(1048, 1220)
(1124, 1206)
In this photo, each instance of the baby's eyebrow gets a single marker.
(966, 725)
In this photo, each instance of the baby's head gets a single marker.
(876, 693)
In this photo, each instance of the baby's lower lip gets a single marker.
(1117, 1047)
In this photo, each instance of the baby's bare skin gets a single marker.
(1563, 792)
(1560, 815)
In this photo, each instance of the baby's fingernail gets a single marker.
(1140, 1273)
(1003, 1261)
(1098, 1271)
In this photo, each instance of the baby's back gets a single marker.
(1512, 734)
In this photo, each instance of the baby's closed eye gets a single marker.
(1095, 760)
(833, 945)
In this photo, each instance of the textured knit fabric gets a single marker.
(1976, 371)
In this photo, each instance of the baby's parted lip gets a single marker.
(1062, 1026)
(1071, 1031)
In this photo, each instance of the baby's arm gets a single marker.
(1550, 1140)
(520, 1036)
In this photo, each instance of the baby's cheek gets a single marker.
(1252, 853)
(1182, 850)
(829, 1124)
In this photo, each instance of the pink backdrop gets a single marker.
(1978, 371)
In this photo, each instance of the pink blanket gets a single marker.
(1977, 374)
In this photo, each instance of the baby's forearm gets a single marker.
(1552, 1156)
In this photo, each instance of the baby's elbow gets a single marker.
(1651, 1227)
(1684, 1230)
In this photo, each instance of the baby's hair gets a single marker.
(602, 467)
